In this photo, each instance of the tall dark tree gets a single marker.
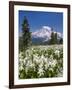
(55, 37)
(61, 41)
(26, 34)
(52, 40)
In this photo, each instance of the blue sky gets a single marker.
(38, 19)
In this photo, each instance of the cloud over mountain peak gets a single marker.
(46, 27)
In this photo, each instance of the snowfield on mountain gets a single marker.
(45, 32)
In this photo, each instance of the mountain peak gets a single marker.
(45, 33)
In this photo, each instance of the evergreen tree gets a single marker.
(55, 37)
(61, 41)
(26, 36)
(52, 40)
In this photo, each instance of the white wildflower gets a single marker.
(40, 72)
(21, 67)
(51, 69)
(57, 52)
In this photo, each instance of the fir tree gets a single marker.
(55, 37)
(26, 36)
(61, 41)
(52, 40)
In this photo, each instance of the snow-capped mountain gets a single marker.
(44, 34)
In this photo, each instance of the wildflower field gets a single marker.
(41, 62)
